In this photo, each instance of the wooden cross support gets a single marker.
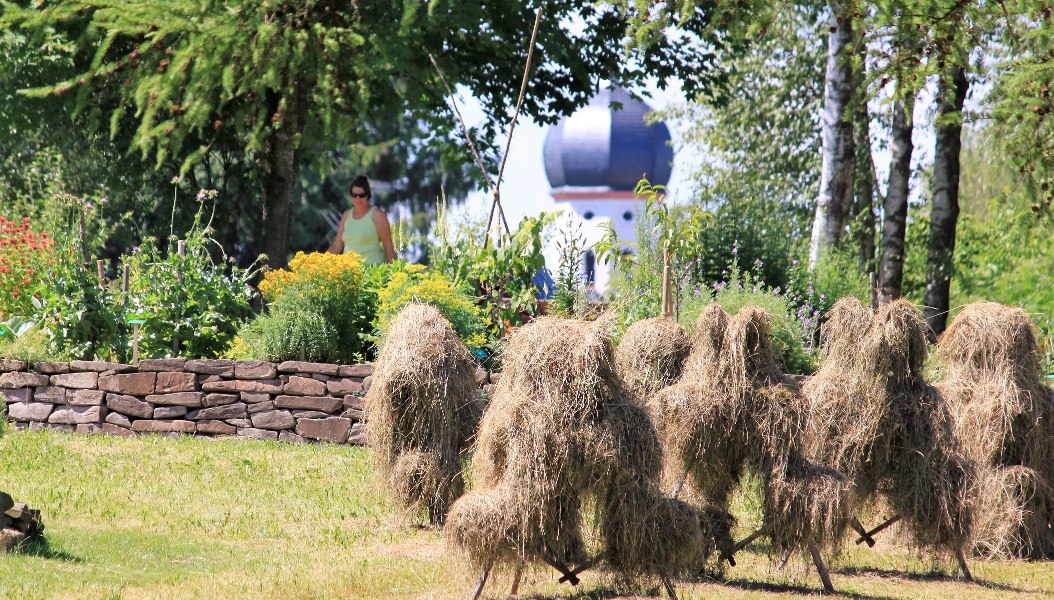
(482, 581)
(568, 575)
(864, 535)
(870, 534)
(821, 568)
(730, 556)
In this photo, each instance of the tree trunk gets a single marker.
(864, 204)
(836, 175)
(278, 180)
(944, 207)
(895, 205)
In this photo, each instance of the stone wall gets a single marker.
(292, 401)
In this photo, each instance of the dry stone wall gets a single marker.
(291, 401)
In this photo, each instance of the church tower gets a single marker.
(594, 159)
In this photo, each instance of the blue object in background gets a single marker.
(543, 282)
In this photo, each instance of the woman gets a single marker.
(364, 229)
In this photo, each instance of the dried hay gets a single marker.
(1003, 419)
(564, 433)
(651, 355)
(874, 418)
(423, 407)
(734, 411)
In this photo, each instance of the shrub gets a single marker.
(31, 347)
(321, 293)
(192, 306)
(414, 284)
(294, 329)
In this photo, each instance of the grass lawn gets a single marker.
(158, 517)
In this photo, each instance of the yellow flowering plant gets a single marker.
(413, 283)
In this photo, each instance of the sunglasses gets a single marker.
(354, 195)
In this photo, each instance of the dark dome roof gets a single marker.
(602, 146)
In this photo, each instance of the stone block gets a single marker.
(29, 411)
(162, 364)
(169, 412)
(191, 399)
(153, 426)
(210, 367)
(135, 384)
(310, 414)
(331, 429)
(290, 437)
(273, 419)
(169, 382)
(253, 397)
(259, 434)
(218, 399)
(76, 415)
(254, 369)
(21, 379)
(354, 402)
(85, 398)
(79, 381)
(51, 368)
(367, 383)
(294, 366)
(100, 366)
(270, 386)
(216, 428)
(240, 422)
(304, 386)
(90, 428)
(129, 405)
(116, 418)
(113, 429)
(325, 404)
(52, 393)
(355, 370)
(10, 364)
(343, 386)
(260, 407)
(357, 435)
(354, 415)
(318, 377)
(17, 395)
(227, 411)
(35, 426)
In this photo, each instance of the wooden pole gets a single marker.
(135, 343)
(667, 284)
(100, 267)
(864, 535)
(516, 580)
(962, 565)
(672, 593)
(884, 525)
(126, 278)
(821, 568)
(730, 556)
(482, 581)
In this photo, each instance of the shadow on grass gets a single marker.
(40, 548)
(934, 576)
(801, 590)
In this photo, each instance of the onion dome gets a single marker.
(607, 145)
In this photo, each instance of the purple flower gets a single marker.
(104, 200)
(201, 195)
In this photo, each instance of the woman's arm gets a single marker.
(337, 247)
(384, 231)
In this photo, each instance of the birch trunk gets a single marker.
(944, 208)
(895, 205)
(836, 174)
(866, 189)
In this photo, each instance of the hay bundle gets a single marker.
(876, 419)
(732, 412)
(563, 431)
(651, 355)
(1002, 416)
(423, 408)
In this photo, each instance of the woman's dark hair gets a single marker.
(361, 181)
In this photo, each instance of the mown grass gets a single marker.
(157, 517)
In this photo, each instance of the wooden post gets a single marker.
(181, 250)
(482, 581)
(864, 535)
(821, 568)
(731, 555)
(135, 343)
(672, 593)
(884, 525)
(667, 284)
(126, 278)
(516, 580)
(962, 565)
(100, 267)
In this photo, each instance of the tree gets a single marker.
(289, 79)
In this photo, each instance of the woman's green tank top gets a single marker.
(360, 235)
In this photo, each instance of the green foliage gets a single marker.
(30, 346)
(192, 305)
(569, 293)
(501, 275)
(294, 328)
(413, 283)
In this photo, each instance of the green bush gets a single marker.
(294, 329)
(413, 283)
(31, 347)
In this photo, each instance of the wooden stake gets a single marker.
(859, 528)
(576, 571)
(962, 565)
(481, 582)
(874, 291)
(730, 556)
(667, 285)
(568, 575)
(126, 278)
(672, 593)
(100, 266)
(516, 580)
(884, 525)
(821, 568)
